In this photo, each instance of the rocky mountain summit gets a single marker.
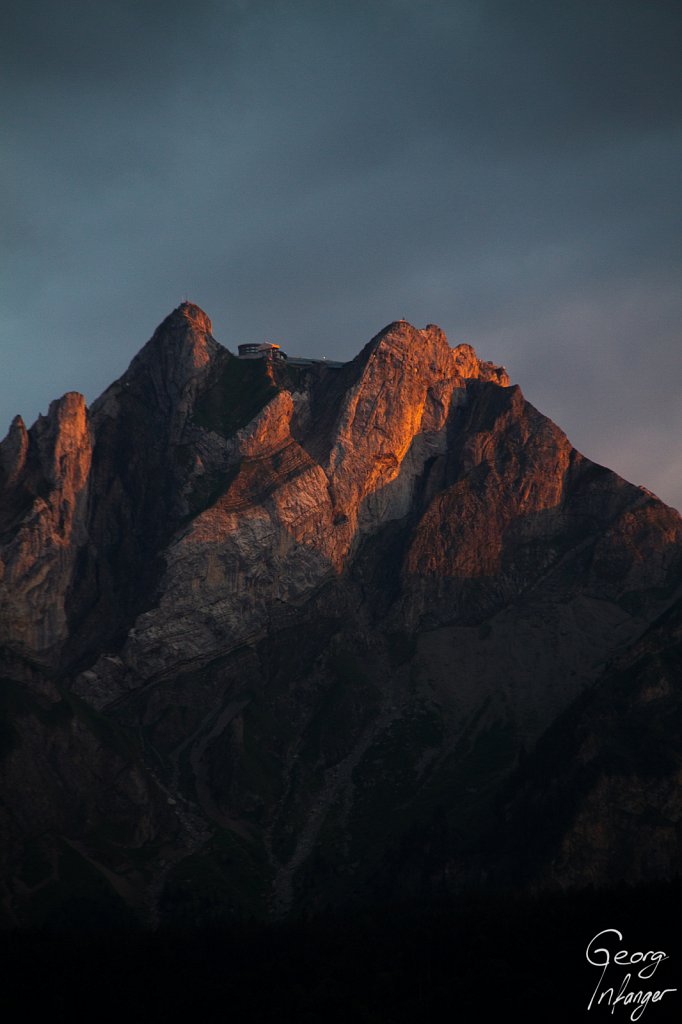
(276, 637)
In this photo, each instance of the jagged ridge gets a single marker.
(316, 611)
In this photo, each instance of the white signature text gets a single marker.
(620, 989)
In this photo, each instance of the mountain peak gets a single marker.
(194, 315)
(167, 371)
(430, 347)
(185, 333)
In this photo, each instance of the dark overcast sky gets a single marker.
(309, 171)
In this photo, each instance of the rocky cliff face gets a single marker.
(318, 613)
(46, 477)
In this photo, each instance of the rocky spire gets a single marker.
(168, 370)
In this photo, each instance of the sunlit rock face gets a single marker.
(44, 509)
(318, 609)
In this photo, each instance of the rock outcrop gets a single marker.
(317, 611)
(46, 475)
